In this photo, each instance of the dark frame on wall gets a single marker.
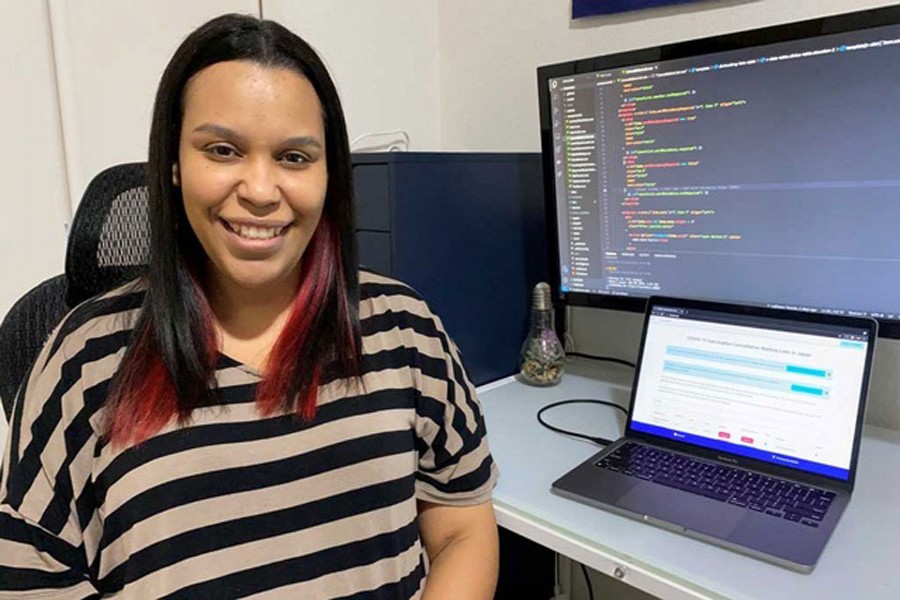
(587, 8)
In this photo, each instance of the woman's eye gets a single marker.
(221, 151)
(294, 158)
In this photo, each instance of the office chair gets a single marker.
(110, 238)
(108, 246)
(24, 331)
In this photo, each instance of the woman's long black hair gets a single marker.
(174, 326)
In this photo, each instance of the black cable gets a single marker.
(596, 440)
(611, 359)
(587, 580)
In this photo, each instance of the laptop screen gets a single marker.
(787, 392)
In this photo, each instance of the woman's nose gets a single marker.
(259, 184)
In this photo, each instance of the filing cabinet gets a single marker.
(467, 231)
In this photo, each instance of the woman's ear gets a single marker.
(176, 179)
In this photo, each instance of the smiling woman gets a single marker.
(253, 174)
(253, 192)
(254, 416)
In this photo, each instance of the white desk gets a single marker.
(861, 561)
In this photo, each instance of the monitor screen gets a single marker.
(760, 167)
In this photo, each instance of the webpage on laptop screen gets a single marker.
(777, 395)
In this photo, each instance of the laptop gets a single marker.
(743, 430)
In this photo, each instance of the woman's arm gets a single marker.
(37, 564)
(48, 456)
(462, 545)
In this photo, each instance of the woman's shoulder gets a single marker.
(392, 310)
(379, 294)
(84, 346)
(101, 323)
(372, 285)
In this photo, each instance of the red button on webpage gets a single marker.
(725, 434)
(747, 440)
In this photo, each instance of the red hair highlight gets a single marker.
(147, 404)
(144, 399)
(322, 276)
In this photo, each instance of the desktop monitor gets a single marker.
(760, 167)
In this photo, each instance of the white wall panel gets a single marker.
(383, 56)
(34, 202)
(489, 53)
(110, 56)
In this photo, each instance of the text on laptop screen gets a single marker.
(784, 392)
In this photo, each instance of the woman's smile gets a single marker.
(259, 239)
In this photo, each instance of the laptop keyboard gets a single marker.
(769, 495)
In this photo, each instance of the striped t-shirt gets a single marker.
(235, 504)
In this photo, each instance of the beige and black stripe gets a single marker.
(234, 504)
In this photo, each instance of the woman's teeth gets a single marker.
(256, 233)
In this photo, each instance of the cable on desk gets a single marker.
(587, 580)
(596, 440)
(611, 359)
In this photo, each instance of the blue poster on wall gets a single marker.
(585, 8)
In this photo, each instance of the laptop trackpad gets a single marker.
(684, 509)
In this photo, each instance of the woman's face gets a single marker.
(252, 171)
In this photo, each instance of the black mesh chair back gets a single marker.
(109, 240)
(108, 246)
(24, 331)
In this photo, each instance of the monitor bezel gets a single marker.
(840, 23)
